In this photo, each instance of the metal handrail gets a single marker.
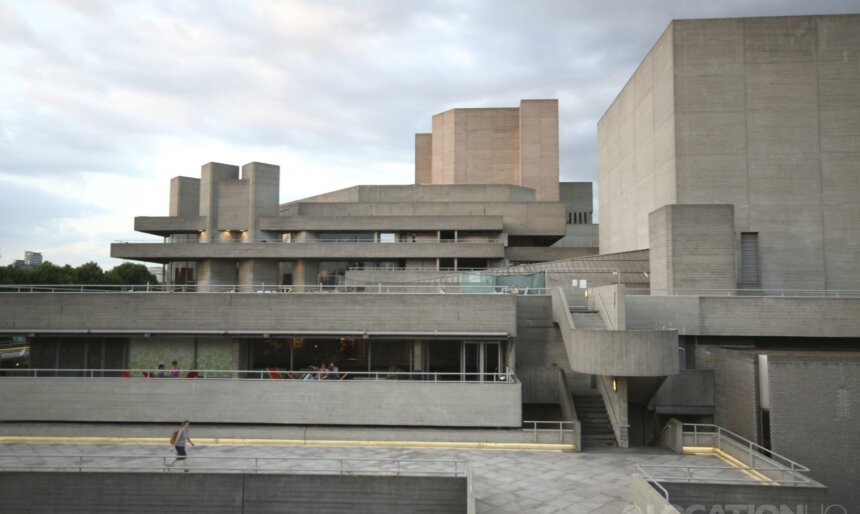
(452, 288)
(648, 478)
(342, 466)
(741, 441)
(788, 293)
(507, 377)
(555, 427)
(688, 476)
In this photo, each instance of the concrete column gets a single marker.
(211, 176)
(215, 272)
(692, 247)
(256, 272)
(184, 196)
(539, 147)
(306, 272)
(423, 158)
(264, 192)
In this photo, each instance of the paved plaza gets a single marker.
(504, 480)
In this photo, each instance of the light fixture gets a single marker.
(614, 385)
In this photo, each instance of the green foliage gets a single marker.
(89, 273)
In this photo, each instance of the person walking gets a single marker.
(179, 439)
(174, 370)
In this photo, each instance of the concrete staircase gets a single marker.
(596, 428)
(587, 320)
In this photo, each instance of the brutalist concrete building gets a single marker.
(724, 286)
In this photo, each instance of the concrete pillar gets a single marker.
(692, 247)
(423, 158)
(264, 192)
(214, 274)
(257, 272)
(184, 196)
(306, 272)
(539, 147)
(212, 174)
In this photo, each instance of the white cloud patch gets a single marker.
(102, 102)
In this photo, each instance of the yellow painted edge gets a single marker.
(285, 442)
(728, 459)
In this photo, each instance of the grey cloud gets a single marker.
(327, 78)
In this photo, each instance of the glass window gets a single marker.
(390, 356)
(387, 237)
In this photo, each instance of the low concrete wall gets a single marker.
(616, 407)
(347, 402)
(751, 498)
(746, 316)
(642, 353)
(672, 437)
(276, 312)
(163, 493)
(647, 498)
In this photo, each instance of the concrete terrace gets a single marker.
(503, 480)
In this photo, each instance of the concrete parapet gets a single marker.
(166, 225)
(155, 252)
(747, 315)
(689, 392)
(377, 223)
(228, 493)
(263, 313)
(290, 402)
(640, 353)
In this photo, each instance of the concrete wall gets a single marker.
(636, 151)
(162, 493)
(735, 392)
(538, 147)
(423, 158)
(418, 193)
(520, 217)
(746, 315)
(609, 301)
(643, 353)
(184, 197)
(691, 390)
(377, 223)
(762, 114)
(814, 399)
(496, 146)
(212, 400)
(539, 350)
(703, 497)
(166, 312)
(692, 247)
(165, 225)
(647, 498)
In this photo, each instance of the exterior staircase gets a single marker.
(596, 428)
(587, 320)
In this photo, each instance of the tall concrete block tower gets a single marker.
(516, 146)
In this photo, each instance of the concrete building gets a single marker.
(725, 288)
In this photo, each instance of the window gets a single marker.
(749, 258)
(387, 237)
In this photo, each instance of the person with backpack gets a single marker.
(179, 439)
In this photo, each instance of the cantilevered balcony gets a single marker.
(330, 250)
(167, 225)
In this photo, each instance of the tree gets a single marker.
(129, 273)
(89, 273)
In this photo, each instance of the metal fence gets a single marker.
(445, 288)
(507, 377)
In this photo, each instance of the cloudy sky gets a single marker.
(103, 101)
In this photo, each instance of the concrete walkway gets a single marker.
(504, 480)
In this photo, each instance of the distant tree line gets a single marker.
(88, 273)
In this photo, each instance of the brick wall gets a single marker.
(814, 414)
